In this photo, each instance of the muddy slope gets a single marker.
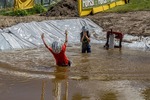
(64, 8)
(135, 23)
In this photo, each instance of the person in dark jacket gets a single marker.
(85, 39)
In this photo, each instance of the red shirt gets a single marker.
(118, 35)
(61, 58)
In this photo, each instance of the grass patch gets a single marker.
(134, 5)
(37, 9)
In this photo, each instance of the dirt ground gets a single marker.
(135, 23)
(64, 8)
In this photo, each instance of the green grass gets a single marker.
(134, 5)
(37, 9)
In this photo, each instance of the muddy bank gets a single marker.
(134, 23)
(64, 8)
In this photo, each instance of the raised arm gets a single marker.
(88, 38)
(66, 37)
(42, 36)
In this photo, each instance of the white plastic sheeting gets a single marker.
(137, 42)
(28, 35)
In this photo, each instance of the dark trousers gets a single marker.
(65, 65)
(86, 48)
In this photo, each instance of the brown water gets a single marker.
(102, 75)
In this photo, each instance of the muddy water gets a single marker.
(102, 75)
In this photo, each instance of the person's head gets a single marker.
(84, 29)
(56, 47)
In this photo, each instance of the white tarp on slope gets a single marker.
(28, 35)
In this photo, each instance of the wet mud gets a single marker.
(64, 8)
(128, 23)
(102, 75)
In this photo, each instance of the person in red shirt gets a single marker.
(58, 50)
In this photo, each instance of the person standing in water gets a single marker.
(58, 50)
(85, 39)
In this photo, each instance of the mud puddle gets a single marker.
(102, 75)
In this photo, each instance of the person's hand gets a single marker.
(84, 34)
(42, 36)
(66, 32)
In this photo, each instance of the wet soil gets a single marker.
(134, 23)
(64, 8)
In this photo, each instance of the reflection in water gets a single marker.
(60, 75)
(109, 96)
(92, 89)
(79, 97)
(101, 75)
(146, 94)
(43, 90)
